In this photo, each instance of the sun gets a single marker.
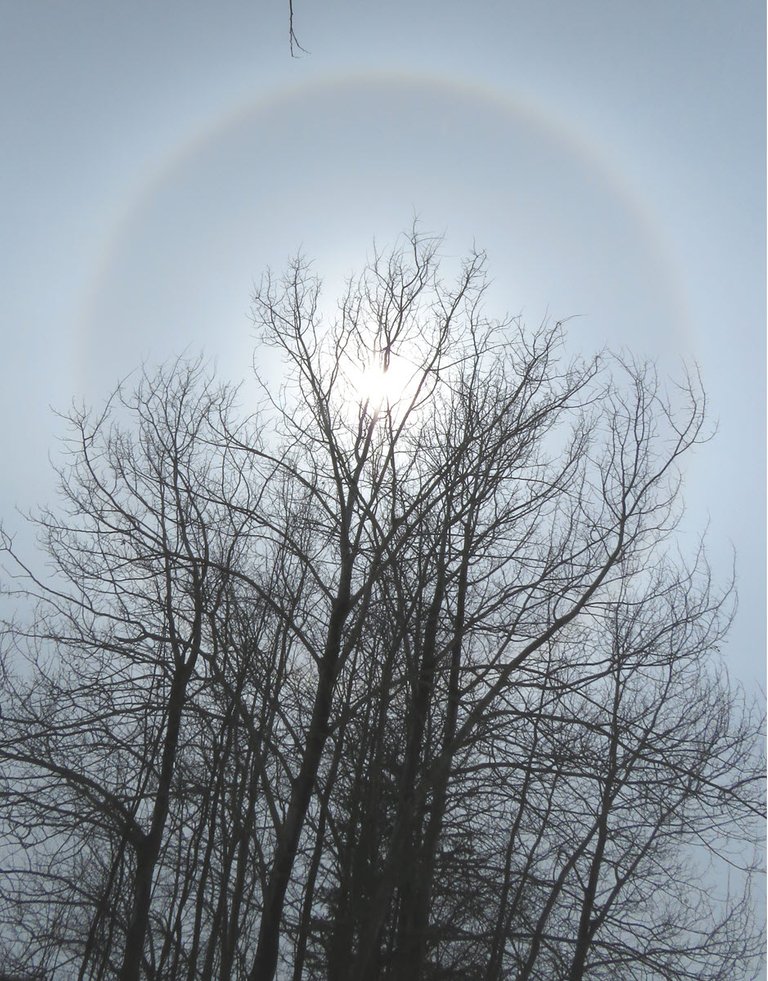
(381, 386)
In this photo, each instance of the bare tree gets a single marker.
(400, 678)
(117, 646)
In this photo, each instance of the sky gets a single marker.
(158, 157)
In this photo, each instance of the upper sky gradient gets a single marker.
(609, 156)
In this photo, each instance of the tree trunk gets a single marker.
(148, 850)
(267, 950)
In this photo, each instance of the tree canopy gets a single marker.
(402, 676)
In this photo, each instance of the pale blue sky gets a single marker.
(608, 155)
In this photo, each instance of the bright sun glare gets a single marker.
(381, 388)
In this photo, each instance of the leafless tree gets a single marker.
(400, 678)
(120, 642)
